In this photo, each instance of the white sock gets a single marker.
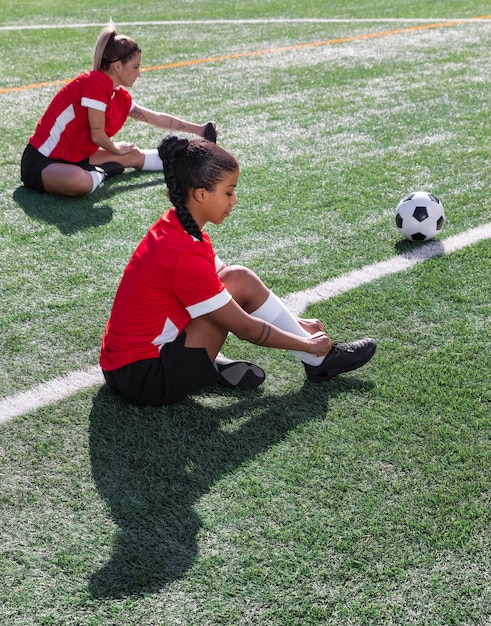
(275, 312)
(97, 178)
(152, 162)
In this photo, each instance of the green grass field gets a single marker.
(364, 501)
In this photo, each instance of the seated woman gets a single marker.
(71, 152)
(177, 302)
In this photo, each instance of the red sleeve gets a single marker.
(197, 285)
(96, 91)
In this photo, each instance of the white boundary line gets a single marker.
(298, 301)
(47, 393)
(238, 22)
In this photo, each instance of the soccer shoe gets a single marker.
(210, 132)
(110, 169)
(343, 357)
(238, 374)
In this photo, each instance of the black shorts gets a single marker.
(178, 372)
(33, 163)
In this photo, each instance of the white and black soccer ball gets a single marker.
(420, 216)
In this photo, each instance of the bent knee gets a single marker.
(245, 286)
(238, 277)
(238, 272)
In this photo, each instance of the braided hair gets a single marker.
(192, 164)
(111, 47)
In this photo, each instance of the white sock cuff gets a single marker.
(97, 178)
(152, 162)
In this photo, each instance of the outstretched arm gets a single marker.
(167, 122)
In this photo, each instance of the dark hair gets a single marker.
(111, 47)
(192, 164)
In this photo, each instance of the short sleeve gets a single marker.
(197, 284)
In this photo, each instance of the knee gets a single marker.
(245, 286)
(81, 184)
(239, 275)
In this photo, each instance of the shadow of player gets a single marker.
(153, 465)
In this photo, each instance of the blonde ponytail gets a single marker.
(108, 32)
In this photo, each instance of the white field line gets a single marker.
(300, 20)
(52, 391)
(48, 393)
(298, 301)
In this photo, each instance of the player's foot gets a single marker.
(210, 132)
(343, 357)
(238, 374)
(110, 169)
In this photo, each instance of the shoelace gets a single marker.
(342, 347)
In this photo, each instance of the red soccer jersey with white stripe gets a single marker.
(170, 279)
(63, 131)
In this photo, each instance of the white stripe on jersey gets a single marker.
(93, 104)
(168, 334)
(212, 304)
(59, 126)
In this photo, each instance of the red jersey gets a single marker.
(63, 131)
(170, 279)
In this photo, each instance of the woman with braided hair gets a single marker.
(72, 152)
(177, 301)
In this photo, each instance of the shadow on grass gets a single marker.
(420, 250)
(152, 466)
(71, 215)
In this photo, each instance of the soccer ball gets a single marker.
(419, 216)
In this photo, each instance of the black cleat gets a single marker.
(343, 357)
(238, 374)
(110, 169)
(210, 132)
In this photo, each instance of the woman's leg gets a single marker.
(68, 180)
(135, 158)
(245, 287)
(251, 293)
(202, 332)
(259, 301)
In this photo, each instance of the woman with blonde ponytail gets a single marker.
(71, 151)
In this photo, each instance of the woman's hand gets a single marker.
(311, 325)
(320, 344)
(124, 147)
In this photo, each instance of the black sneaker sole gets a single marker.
(239, 375)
